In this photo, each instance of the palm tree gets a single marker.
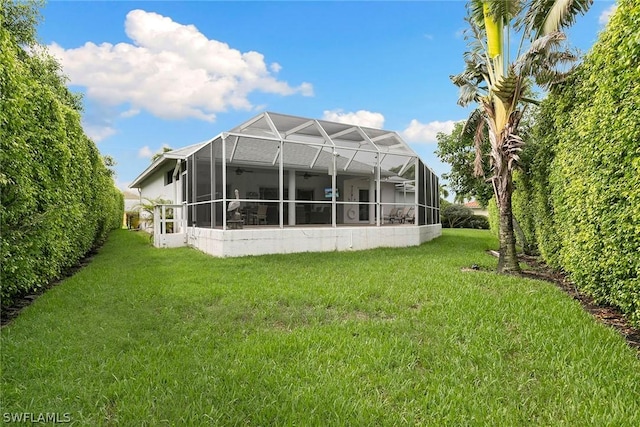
(147, 208)
(444, 193)
(499, 83)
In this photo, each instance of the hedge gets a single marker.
(582, 189)
(58, 197)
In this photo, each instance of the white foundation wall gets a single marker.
(234, 243)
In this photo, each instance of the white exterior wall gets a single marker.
(154, 186)
(233, 243)
(351, 193)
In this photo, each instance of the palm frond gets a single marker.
(504, 10)
(478, 139)
(546, 16)
(513, 142)
(475, 125)
(548, 78)
(476, 118)
(538, 53)
(527, 100)
(470, 79)
(475, 12)
(563, 13)
(469, 94)
(469, 83)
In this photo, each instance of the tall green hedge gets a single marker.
(585, 172)
(58, 198)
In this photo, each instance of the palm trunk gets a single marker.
(508, 260)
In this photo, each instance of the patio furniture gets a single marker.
(392, 215)
(402, 214)
(411, 216)
(320, 215)
(261, 214)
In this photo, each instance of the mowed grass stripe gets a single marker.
(144, 336)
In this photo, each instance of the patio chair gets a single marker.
(391, 216)
(410, 217)
(261, 214)
(401, 214)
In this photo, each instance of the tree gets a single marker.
(498, 84)
(444, 193)
(456, 149)
(158, 154)
(110, 163)
(20, 19)
(456, 216)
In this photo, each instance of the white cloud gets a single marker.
(360, 117)
(171, 70)
(147, 152)
(130, 113)
(98, 132)
(425, 133)
(606, 14)
(275, 67)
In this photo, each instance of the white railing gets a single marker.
(169, 226)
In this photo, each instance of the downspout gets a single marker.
(176, 174)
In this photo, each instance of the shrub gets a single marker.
(586, 175)
(479, 222)
(494, 219)
(460, 216)
(455, 216)
(58, 197)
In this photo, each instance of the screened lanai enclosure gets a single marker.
(279, 183)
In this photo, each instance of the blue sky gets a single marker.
(173, 73)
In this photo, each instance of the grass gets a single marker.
(144, 336)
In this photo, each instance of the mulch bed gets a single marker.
(605, 314)
(7, 314)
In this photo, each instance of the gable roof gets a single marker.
(179, 154)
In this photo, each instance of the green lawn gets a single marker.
(146, 336)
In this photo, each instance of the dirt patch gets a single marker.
(606, 314)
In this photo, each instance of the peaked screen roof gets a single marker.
(268, 128)
(292, 128)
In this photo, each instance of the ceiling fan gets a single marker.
(308, 175)
(240, 171)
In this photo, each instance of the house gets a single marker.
(131, 209)
(301, 184)
(477, 208)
